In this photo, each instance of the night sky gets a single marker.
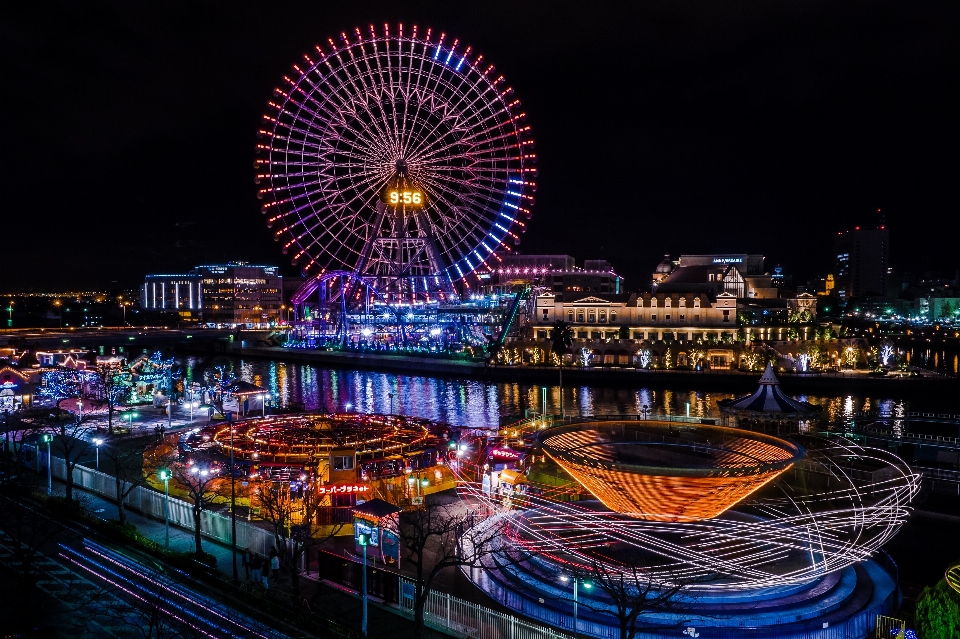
(128, 128)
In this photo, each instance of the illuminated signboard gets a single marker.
(406, 197)
(503, 453)
(342, 490)
(727, 260)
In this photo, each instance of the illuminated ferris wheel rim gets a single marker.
(377, 106)
(835, 529)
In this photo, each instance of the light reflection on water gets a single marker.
(480, 404)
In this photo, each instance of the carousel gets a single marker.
(768, 409)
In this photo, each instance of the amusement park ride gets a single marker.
(394, 163)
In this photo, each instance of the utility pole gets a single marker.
(364, 540)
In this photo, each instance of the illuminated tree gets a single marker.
(668, 358)
(803, 362)
(886, 353)
(61, 384)
(695, 356)
(851, 356)
(584, 356)
(750, 360)
(644, 355)
(113, 387)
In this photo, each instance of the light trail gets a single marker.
(762, 542)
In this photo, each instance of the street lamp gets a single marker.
(390, 395)
(233, 507)
(47, 438)
(364, 540)
(645, 410)
(97, 442)
(130, 417)
(59, 305)
(164, 475)
(576, 580)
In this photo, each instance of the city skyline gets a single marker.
(760, 129)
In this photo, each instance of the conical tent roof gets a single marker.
(241, 387)
(767, 400)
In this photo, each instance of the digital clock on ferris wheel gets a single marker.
(407, 197)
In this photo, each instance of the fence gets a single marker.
(150, 502)
(455, 616)
(890, 628)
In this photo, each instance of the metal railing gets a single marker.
(458, 617)
(150, 503)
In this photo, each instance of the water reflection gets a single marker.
(481, 404)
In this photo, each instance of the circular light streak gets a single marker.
(396, 109)
(764, 541)
(668, 472)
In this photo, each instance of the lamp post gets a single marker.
(47, 438)
(390, 395)
(364, 540)
(576, 580)
(645, 410)
(164, 474)
(130, 417)
(97, 442)
(233, 506)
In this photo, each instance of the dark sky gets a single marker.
(128, 128)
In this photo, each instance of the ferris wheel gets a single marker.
(397, 155)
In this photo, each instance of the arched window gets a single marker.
(613, 316)
(591, 316)
(603, 317)
(570, 316)
(580, 315)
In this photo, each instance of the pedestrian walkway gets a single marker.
(327, 601)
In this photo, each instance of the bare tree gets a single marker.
(124, 454)
(70, 440)
(437, 536)
(633, 592)
(202, 486)
(296, 525)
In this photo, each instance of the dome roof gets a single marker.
(666, 266)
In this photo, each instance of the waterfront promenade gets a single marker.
(607, 375)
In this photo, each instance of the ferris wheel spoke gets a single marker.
(347, 120)
(364, 94)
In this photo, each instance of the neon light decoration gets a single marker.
(342, 490)
(665, 472)
(382, 112)
(836, 506)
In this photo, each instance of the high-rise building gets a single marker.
(861, 262)
(233, 293)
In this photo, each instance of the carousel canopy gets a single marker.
(768, 400)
